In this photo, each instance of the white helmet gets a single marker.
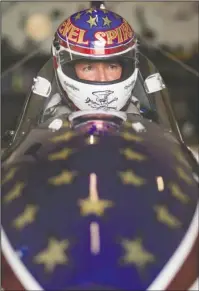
(95, 35)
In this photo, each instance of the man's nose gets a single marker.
(101, 76)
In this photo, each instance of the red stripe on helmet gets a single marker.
(97, 51)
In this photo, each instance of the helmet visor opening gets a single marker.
(127, 62)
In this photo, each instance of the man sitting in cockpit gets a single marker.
(95, 64)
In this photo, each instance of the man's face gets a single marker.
(98, 71)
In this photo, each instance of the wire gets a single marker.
(172, 57)
(182, 64)
(21, 62)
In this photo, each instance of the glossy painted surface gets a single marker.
(96, 32)
(106, 210)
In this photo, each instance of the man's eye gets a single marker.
(114, 66)
(87, 68)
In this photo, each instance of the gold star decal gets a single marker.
(78, 16)
(131, 137)
(53, 255)
(14, 193)
(132, 155)
(61, 155)
(27, 217)
(181, 173)
(107, 21)
(65, 124)
(93, 205)
(178, 193)
(128, 124)
(129, 177)
(165, 217)
(90, 10)
(64, 137)
(65, 177)
(98, 207)
(92, 21)
(136, 254)
(181, 158)
(9, 176)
